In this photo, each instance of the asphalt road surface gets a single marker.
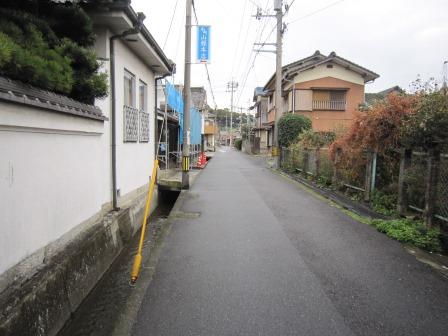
(256, 254)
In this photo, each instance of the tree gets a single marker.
(245, 131)
(290, 126)
(47, 44)
(221, 117)
(378, 129)
(428, 127)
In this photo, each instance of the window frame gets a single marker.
(126, 76)
(141, 84)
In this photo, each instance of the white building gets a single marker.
(64, 166)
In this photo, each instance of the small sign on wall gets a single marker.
(203, 44)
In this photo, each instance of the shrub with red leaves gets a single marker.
(378, 129)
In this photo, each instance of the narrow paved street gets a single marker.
(263, 256)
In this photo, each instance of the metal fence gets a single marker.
(378, 173)
(326, 168)
(415, 181)
(442, 188)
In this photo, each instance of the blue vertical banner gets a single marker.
(203, 44)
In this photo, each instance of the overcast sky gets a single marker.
(398, 39)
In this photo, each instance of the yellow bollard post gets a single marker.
(138, 258)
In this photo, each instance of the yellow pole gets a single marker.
(138, 258)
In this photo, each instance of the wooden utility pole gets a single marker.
(231, 87)
(187, 100)
(278, 8)
(278, 82)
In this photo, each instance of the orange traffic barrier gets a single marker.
(202, 161)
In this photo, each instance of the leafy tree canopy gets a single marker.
(290, 126)
(237, 118)
(378, 129)
(46, 44)
(428, 126)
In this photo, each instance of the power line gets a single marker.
(288, 7)
(244, 43)
(270, 33)
(316, 11)
(171, 23)
(254, 3)
(210, 83)
(206, 67)
(258, 35)
(259, 32)
(239, 36)
(253, 62)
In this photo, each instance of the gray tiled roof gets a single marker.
(20, 93)
(316, 59)
(371, 98)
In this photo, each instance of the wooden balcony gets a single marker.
(329, 105)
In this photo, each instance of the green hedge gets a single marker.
(238, 143)
(290, 126)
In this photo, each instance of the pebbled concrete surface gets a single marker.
(265, 257)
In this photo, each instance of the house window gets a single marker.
(303, 100)
(143, 96)
(129, 89)
(130, 113)
(329, 100)
(143, 113)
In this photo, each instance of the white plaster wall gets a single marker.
(55, 169)
(322, 71)
(134, 159)
(51, 177)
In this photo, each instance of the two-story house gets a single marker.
(263, 127)
(326, 89)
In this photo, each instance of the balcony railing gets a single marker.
(173, 114)
(329, 105)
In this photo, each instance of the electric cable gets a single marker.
(206, 67)
(316, 11)
(171, 23)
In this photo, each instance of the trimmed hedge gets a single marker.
(238, 144)
(290, 126)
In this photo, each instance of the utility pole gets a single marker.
(231, 87)
(278, 72)
(241, 121)
(278, 82)
(227, 129)
(445, 77)
(187, 100)
(214, 131)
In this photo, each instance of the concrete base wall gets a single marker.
(38, 295)
(247, 147)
